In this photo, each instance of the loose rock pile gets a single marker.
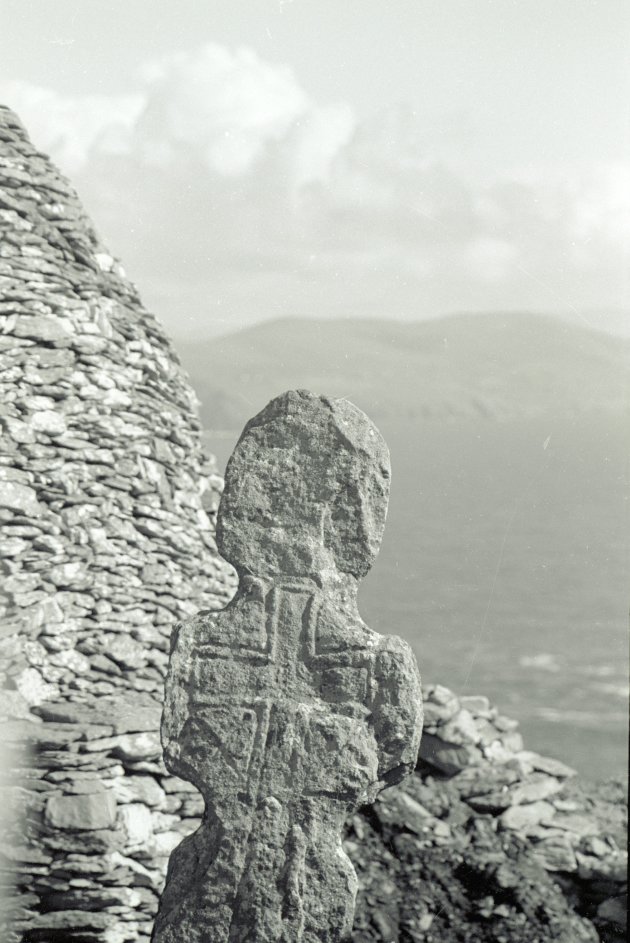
(489, 841)
(106, 539)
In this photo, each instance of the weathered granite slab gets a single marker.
(285, 709)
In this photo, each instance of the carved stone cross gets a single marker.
(284, 709)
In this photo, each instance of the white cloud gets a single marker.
(69, 128)
(322, 135)
(601, 205)
(225, 107)
(223, 185)
(490, 259)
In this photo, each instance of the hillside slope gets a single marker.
(494, 365)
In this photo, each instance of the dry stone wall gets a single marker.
(106, 540)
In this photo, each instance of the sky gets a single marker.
(253, 159)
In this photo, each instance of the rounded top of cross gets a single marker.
(306, 490)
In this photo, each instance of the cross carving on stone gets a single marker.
(284, 709)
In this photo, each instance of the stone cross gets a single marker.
(284, 709)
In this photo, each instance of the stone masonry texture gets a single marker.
(106, 540)
(284, 709)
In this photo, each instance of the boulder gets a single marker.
(95, 810)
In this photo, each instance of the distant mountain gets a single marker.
(488, 365)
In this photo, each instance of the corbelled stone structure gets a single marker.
(106, 540)
(284, 709)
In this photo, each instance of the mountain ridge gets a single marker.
(488, 366)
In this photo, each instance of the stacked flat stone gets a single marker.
(524, 851)
(106, 540)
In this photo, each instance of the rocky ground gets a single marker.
(489, 842)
